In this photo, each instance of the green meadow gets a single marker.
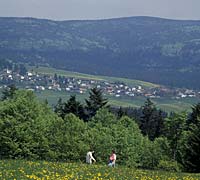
(52, 71)
(164, 103)
(43, 170)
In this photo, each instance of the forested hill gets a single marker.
(145, 48)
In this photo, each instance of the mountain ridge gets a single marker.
(146, 48)
(100, 19)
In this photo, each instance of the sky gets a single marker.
(100, 9)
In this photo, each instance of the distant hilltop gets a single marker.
(152, 49)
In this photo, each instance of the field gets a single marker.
(164, 103)
(42, 170)
(52, 71)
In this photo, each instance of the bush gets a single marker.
(169, 166)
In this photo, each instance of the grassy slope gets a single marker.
(21, 169)
(163, 103)
(52, 71)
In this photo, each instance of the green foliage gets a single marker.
(95, 101)
(192, 152)
(23, 126)
(175, 126)
(162, 148)
(195, 115)
(172, 49)
(31, 130)
(124, 136)
(169, 166)
(129, 142)
(148, 158)
(67, 139)
(58, 109)
(8, 93)
(5, 63)
(73, 106)
(104, 117)
(151, 121)
(101, 133)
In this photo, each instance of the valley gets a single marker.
(51, 84)
(150, 49)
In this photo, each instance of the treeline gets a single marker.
(146, 137)
(15, 67)
(5, 64)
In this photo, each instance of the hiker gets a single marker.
(112, 159)
(89, 157)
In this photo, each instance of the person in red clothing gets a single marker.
(112, 159)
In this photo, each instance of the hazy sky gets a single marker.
(100, 9)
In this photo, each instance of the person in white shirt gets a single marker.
(112, 159)
(89, 157)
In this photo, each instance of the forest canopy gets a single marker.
(148, 138)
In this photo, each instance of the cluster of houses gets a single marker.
(40, 82)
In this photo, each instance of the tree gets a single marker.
(22, 70)
(174, 127)
(192, 154)
(5, 63)
(151, 121)
(121, 112)
(24, 127)
(193, 119)
(58, 109)
(68, 139)
(159, 123)
(9, 92)
(55, 77)
(73, 106)
(95, 102)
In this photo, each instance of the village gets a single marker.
(40, 82)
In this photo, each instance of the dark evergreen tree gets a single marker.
(4, 63)
(95, 102)
(121, 112)
(22, 70)
(15, 68)
(159, 123)
(133, 113)
(46, 101)
(151, 121)
(58, 108)
(9, 92)
(55, 77)
(192, 155)
(193, 119)
(73, 106)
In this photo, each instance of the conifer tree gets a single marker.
(58, 109)
(151, 121)
(9, 92)
(121, 112)
(192, 155)
(95, 102)
(73, 106)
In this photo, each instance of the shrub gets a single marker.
(169, 166)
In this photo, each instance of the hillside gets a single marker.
(156, 50)
(167, 102)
